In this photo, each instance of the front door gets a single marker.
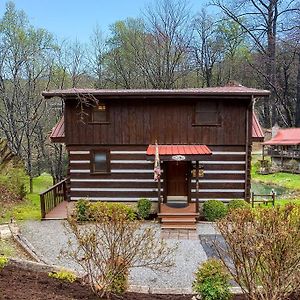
(177, 180)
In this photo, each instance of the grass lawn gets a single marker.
(29, 209)
(286, 180)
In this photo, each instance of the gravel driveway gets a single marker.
(50, 237)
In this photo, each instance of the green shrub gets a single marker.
(234, 204)
(3, 262)
(212, 281)
(14, 179)
(111, 210)
(82, 210)
(63, 275)
(144, 208)
(214, 210)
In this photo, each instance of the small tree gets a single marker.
(112, 244)
(262, 250)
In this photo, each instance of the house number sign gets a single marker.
(178, 157)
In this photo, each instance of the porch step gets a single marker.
(177, 220)
(166, 214)
(179, 226)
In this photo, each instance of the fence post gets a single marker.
(252, 199)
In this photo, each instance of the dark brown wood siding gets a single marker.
(139, 122)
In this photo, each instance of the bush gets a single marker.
(144, 208)
(63, 275)
(82, 210)
(3, 262)
(113, 244)
(110, 210)
(234, 204)
(212, 281)
(214, 210)
(263, 246)
(14, 179)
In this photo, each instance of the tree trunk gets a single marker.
(30, 184)
(298, 95)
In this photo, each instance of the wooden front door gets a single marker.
(177, 178)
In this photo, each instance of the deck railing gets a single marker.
(52, 197)
(284, 153)
(263, 199)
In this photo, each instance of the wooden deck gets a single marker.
(60, 212)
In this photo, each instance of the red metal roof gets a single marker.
(257, 133)
(290, 136)
(233, 90)
(58, 132)
(179, 150)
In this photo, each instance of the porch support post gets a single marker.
(197, 186)
(263, 152)
(159, 193)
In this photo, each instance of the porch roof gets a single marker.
(182, 151)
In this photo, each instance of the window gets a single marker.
(100, 113)
(207, 113)
(100, 162)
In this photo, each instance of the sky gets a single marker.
(76, 19)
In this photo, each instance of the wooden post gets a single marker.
(197, 186)
(159, 193)
(252, 199)
(263, 152)
(273, 198)
(43, 209)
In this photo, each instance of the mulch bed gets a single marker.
(17, 284)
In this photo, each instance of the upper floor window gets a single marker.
(207, 113)
(100, 113)
(99, 161)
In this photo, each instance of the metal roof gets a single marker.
(257, 133)
(290, 136)
(179, 150)
(236, 90)
(58, 132)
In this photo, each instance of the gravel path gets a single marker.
(50, 237)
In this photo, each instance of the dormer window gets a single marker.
(100, 113)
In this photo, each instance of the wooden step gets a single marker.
(178, 214)
(168, 220)
(179, 226)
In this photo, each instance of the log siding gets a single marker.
(131, 175)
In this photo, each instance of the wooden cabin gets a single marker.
(284, 149)
(203, 136)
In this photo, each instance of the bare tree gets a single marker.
(260, 21)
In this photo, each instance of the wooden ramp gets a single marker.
(60, 212)
(178, 217)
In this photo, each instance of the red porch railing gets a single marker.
(52, 197)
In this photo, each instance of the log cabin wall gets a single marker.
(133, 125)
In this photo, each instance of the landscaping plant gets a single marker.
(237, 203)
(63, 275)
(3, 262)
(144, 208)
(262, 250)
(212, 281)
(82, 210)
(214, 210)
(113, 243)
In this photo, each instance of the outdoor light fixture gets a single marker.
(200, 171)
(101, 107)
